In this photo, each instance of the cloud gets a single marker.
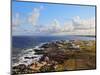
(83, 24)
(31, 18)
(76, 26)
(68, 26)
(55, 27)
(34, 16)
(16, 20)
(24, 25)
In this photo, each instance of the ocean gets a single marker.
(23, 45)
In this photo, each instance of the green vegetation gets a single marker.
(64, 56)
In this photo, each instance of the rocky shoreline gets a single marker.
(62, 55)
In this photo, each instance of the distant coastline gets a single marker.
(86, 35)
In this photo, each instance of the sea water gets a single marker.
(23, 46)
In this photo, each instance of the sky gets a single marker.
(31, 18)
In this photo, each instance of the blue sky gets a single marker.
(30, 18)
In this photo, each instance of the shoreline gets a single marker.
(55, 53)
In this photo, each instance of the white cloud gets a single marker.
(56, 27)
(31, 18)
(16, 20)
(20, 25)
(68, 26)
(83, 24)
(77, 26)
(34, 16)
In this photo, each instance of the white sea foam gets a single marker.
(27, 53)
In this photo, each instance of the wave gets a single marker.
(28, 56)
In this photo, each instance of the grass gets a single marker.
(67, 60)
(83, 59)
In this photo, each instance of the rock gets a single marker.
(45, 45)
(19, 69)
(30, 57)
